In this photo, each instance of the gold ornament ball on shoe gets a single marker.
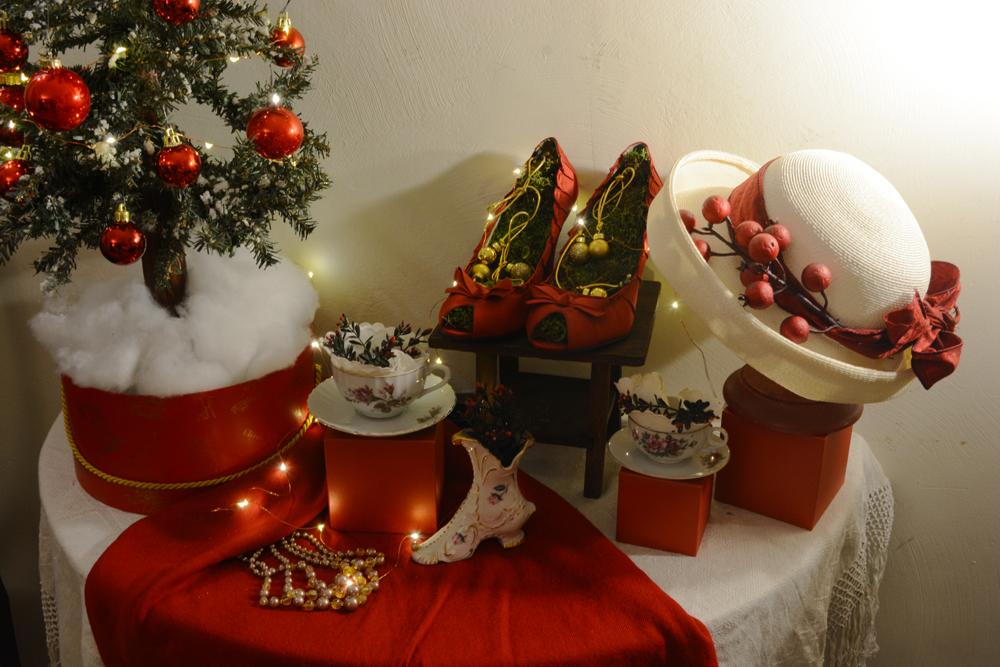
(579, 252)
(487, 254)
(480, 271)
(519, 271)
(598, 247)
(599, 292)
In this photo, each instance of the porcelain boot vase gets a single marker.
(494, 507)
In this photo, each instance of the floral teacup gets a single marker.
(389, 394)
(660, 440)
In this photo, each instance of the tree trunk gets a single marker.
(173, 294)
(176, 289)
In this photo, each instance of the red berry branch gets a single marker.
(762, 270)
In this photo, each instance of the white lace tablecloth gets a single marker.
(770, 593)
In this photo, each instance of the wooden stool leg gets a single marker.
(614, 423)
(486, 370)
(597, 417)
(509, 367)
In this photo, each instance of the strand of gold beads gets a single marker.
(356, 577)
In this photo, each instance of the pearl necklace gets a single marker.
(356, 577)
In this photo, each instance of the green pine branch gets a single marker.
(79, 179)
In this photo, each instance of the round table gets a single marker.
(770, 593)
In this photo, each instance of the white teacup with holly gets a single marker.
(668, 428)
(381, 371)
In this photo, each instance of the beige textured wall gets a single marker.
(430, 104)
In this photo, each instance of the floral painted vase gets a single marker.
(494, 507)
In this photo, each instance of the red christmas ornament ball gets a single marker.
(13, 50)
(177, 12)
(122, 243)
(12, 96)
(11, 172)
(10, 135)
(275, 131)
(57, 99)
(703, 248)
(178, 166)
(292, 39)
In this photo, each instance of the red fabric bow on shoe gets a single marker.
(492, 307)
(590, 321)
(543, 294)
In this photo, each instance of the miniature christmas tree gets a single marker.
(94, 159)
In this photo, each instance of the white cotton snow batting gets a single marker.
(238, 323)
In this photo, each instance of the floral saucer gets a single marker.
(328, 406)
(624, 450)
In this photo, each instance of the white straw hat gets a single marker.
(841, 213)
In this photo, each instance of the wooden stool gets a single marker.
(582, 413)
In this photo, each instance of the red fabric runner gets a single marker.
(169, 592)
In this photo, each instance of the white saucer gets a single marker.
(328, 406)
(624, 450)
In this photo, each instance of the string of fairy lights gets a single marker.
(354, 572)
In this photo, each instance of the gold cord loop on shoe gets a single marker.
(617, 196)
(613, 194)
(521, 218)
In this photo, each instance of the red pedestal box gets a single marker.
(666, 514)
(787, 454)
(792, 478)
(385, 485)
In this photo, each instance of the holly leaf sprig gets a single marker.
(496, 422)
(346, 343)
(683, 418)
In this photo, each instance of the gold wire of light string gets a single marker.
(609, 194)
(138, 127)
(56, 137)
(497, 209)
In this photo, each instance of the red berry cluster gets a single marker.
(762, 271)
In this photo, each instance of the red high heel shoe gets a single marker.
(589, 300)
(515, 251)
